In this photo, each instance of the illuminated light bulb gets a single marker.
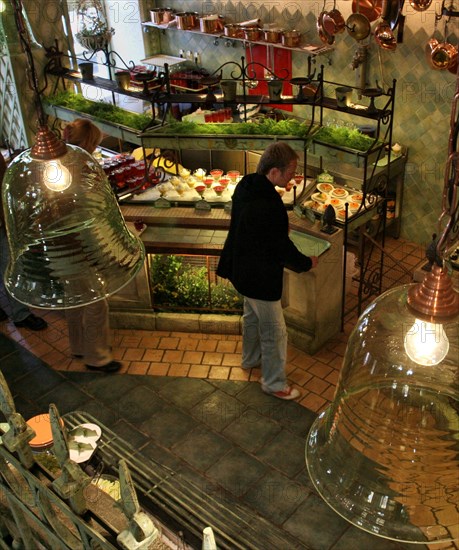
(426, 343)
(55, 175)
(2, 6)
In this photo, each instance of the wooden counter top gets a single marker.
(217, 218)
(181, 230)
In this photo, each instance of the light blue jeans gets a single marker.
(19, 311)
(264, 341)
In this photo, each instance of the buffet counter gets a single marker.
(312, 301)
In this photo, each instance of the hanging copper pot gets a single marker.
(430, 46)
(333, 22)
(384, 36)
(443, 56)
(324, 36)
(370, 8)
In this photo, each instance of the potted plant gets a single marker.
(93, 31)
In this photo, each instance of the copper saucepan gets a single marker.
(168, 15)
(233, 30)
(291, 38)
(444, 56)
(156, 15)
(273, 36)
(252, 33)
(333, 22)
(441, 55)
(186, 20)
(211, 23)
(323, 34)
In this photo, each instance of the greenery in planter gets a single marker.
(105, 112)
(186, 288)
(262, 126)
(343, 136)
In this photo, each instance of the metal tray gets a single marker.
(161, 59)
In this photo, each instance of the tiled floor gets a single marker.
(183, 402)
(213, 356)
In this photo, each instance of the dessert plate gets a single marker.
(83, 442)
(80, 451)
(86, 433)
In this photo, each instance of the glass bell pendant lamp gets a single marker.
(385, 453)
(69, 244)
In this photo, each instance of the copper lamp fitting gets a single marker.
(47, 145)
(435, 298)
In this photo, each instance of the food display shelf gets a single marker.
(183, 193)
(128, 135)
(159, 137)
(314, 201)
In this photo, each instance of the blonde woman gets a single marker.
(89, 330)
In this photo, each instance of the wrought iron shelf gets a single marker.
(103, 83)
(356, 110)
(125, 134)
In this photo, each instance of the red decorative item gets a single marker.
(280, 63)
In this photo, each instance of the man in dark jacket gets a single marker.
(253, 258)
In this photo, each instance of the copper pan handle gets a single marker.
(385, 9)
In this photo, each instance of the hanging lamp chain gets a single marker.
(47, 145)
(31, 72)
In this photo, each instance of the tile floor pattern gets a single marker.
(213, 356)
(183, 380)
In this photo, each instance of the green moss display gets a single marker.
(186, 288)
(259, 127)
(344, 137)
(105, 112)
